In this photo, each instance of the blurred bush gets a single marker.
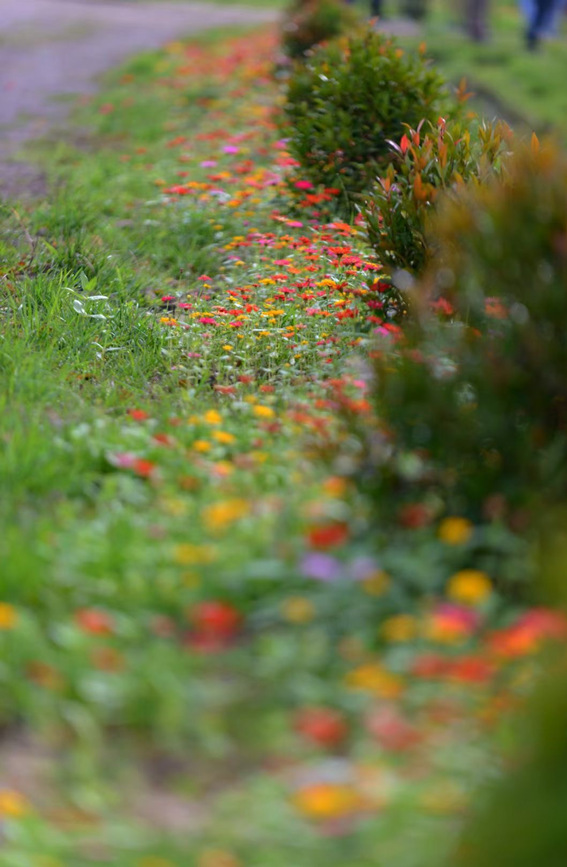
(348, 101)
(310, 22)
(473, 398)
(520, 819)
(433, 158)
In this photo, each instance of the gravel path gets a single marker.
(53, 48)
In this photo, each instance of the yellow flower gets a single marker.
(297, 609)
(8, 616)
(402, 627)
(455, 531)
(327, 800)
(371, 677)
(470, 586)
(201, 446)
(376, 583)
(224, 437)
(187, 554)
(227, 347)
(263, 411)
(212, 417)
(12, 804)
(174, 506)
(218, 516)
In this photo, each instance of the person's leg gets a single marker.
(542, 10)
(551, 23)
(528, 8)
(376, 8)
(476, 12)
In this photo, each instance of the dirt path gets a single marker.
(50, 49)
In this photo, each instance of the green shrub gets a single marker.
(433, 158)
(348, 101)
(310, 22)
(474, 410)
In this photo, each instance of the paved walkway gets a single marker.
(53, 48)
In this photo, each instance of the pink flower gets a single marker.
(449, 621)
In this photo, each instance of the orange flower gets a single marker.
(371, 677)
(263, 411)
(13, 805)
(322, 801)
(8, 616)
(219, 516)
(470, 586)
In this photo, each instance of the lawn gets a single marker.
(213, 653)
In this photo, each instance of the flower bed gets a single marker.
(198, 606)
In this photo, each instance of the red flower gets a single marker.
(216, 619)
(527, 634)
(328, 535)
(163, 439)
(138, 414)
(392, 731)
(143, 467)
(321, 725)
(94, 621)
(430, 665)
(470, 669)
(414, 515)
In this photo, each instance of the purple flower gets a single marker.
(321, 567)
(208, 164)
(230, 149)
